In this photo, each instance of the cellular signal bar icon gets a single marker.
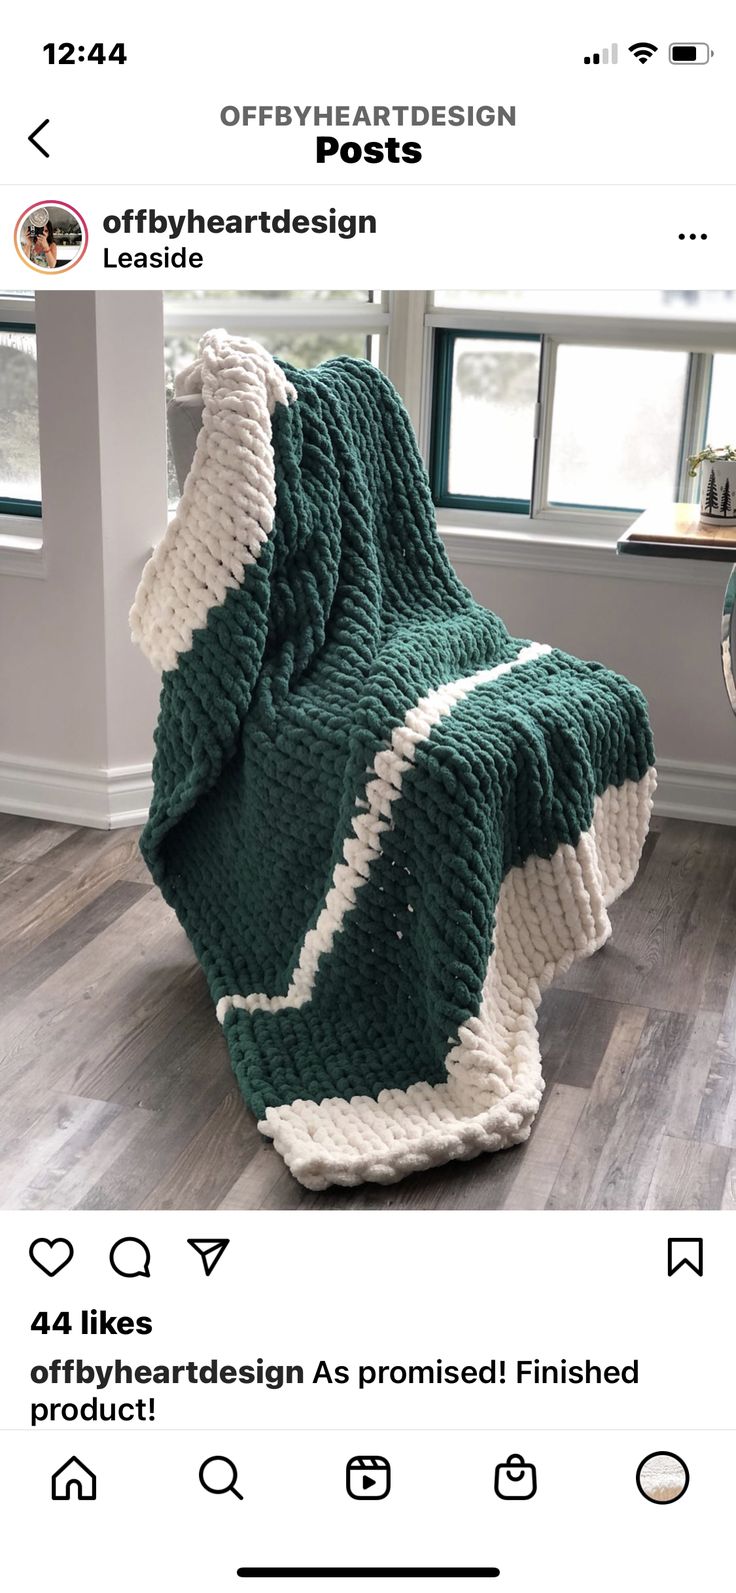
(602, 57)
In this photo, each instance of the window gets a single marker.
(20, 470)
(485, 401)
(721, 428)
(302, 327)
(576, 410)
(616, 427)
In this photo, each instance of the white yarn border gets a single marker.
(226, 511)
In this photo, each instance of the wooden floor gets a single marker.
(115, 1086)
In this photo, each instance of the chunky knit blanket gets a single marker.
(385, 823)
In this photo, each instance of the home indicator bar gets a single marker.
(369, 1570)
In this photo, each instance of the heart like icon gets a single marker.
(51, 1255)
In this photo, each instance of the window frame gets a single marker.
(252, 313)
(14, 310)
(699, 340)
(693, 419)
(445, 343)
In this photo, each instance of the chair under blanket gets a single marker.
(385, 824)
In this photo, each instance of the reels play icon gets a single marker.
(368, 1477)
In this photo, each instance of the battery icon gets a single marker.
(690, 54)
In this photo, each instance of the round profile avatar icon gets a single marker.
(662, 1477)
(50, 236)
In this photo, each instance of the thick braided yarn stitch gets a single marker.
(385, 824)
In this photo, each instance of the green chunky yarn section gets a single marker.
(384, 823)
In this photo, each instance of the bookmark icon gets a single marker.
(684, 1253)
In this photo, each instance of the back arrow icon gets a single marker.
(32, 138)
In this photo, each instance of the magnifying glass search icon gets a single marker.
(219, 1475)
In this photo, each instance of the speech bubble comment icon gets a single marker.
(131, 1258)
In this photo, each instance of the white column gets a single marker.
(79, 702)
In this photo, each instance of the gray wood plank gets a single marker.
(255, 1183)
(575, 1031)
(134, 867)
(691, 1074)
(22, 971)
(719, 978)
(546, 1149)
(283, 1193)
(689, 1176)
(26, 888)
(60, 1119)
(21, 1111)
(728, 1202)
(56, 887)
(648, 848)
(87, 1157)
(181, 1037)
(98, 1003)
(716, 1120)
(557, 1020)
(727, 1036)
(657, 1089)
(666, 927)
(209, 1164)
(127, 1181)
(24, 840)
(589, 1152)
(57, 1157)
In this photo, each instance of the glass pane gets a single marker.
(494, 393)
(616, 427)
(659, 303)
(721, 429)
(304, 349)
(20, 469)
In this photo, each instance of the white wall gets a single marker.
(78, 703)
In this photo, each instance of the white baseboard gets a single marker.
(102, 799)
(111, 799)
(705, 791)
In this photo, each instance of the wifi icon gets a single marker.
(643, 52)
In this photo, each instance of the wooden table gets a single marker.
(675, 532)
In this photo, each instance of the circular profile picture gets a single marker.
(662, 1477)
(51, 236)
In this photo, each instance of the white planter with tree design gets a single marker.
(717, 485)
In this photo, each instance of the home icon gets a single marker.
(74, 1480)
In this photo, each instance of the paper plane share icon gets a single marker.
(210, 1251)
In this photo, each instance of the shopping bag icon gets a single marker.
(515, 1478)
